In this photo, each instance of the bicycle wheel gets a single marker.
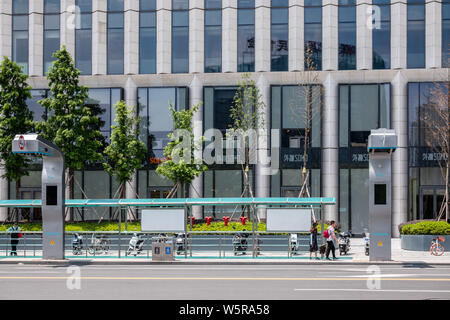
(437, 249)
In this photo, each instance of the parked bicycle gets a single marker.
(436, 248)
(99, 244)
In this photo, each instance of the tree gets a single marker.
(305, 110)
(15, 118)
(126, 152)
(180, 165)
(435, 116)
(73, 125)
(247, 114)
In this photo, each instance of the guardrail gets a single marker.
(116, 244)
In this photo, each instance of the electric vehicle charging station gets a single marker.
(53, 191)
(381, 144)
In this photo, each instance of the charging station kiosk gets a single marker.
(381, 144)
(53, 191)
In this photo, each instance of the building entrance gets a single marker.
(431, 198)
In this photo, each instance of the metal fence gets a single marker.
(114, 244)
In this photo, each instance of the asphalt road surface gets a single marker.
(224, 282)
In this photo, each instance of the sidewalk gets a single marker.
(355, 256)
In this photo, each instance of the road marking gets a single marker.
(376, 290)
(219, 278)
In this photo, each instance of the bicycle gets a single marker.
(436, 248)
(99, 244)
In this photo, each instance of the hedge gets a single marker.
(136, 226)
(426, 227)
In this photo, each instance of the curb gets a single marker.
(221, 262)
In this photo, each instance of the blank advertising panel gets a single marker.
(163, 220)
(288, 220)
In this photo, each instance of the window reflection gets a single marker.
(280, 35)
(347, 35)
(416, 34)
(381, 37)
(180, 36)
(20, 34)
(115, 37)
(246, 36)
(147, 37)
(213, 36)
(313, 35)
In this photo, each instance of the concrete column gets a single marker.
(131, 30)
(363, 36)
(196, 98)
(196, 36)
(398, 34)
(68, 24)
(163, 36)
(36, 32)
(262, 188)
(99, 35)
(131, 100)
(330, 35)
(296, 35)
(5, 50)
(400, 156)
(262, 35)
(5, 29)
(229, 35)
(433, 34)
(330, 147)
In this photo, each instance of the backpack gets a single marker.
(325, 234)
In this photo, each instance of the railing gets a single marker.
(113, 244)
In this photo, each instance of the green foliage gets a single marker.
(247, 111)
(15, 117)
(79, 226)
(175, 167)
(126, 152)
(73, 126)
(426, 227)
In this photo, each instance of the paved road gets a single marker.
(224, 282)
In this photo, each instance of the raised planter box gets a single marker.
(422, 242)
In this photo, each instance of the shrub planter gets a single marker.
(422, 242)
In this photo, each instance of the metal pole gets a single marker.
(24, 245)
(120, 228)
(185, 232)
(253, 231)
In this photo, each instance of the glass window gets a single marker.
(280, 36)
(416, 34)
(213, 36)
(51, 32)
(20, 33)
(246, 36)
(445, 33)
(115, 37)
(381, 37)
(147, 37)
(180, 36)
(156, 120)
(35, 107)
(347, 35)
(105, 99)
(83, 38)
(313, 35)
(362, 108)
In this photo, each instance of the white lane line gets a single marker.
(375, 290)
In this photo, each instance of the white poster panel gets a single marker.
(288, 220)
(163, 220)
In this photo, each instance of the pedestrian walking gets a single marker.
(313, 241)
(330, 240)
(15, 235)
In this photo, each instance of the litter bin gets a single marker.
(162, 248)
